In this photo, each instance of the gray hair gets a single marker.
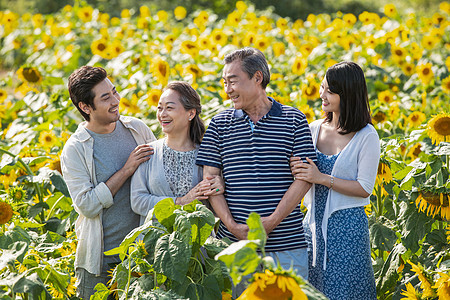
(252, 60)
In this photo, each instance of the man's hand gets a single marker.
(240, 231)
(140, 154)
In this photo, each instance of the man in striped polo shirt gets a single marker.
(250, 146)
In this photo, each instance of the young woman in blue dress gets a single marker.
(348, 153)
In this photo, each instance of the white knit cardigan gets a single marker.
(357, 161)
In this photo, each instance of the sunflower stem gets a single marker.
(379, 201)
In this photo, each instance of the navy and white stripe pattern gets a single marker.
(255, 166)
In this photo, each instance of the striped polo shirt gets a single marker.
(255, 164)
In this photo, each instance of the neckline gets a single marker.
(177, 151)
(343, 149)
(329, 155)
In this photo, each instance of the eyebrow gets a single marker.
(106, 94)
(229, 77)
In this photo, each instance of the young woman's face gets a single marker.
(171, 114)
(330, 101)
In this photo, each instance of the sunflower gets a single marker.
(398, 54)
(446, 84)
(408, 69)
(299, 65)
(379, 117)
(425, 284)
(47, 139)
(443, 286)
(168, 42)
(3, 95)
(425, 73)
(261, 42)
(160, 70)
(30, 75)
(414, 151)
(384, 173)
(17, 194)
(8, 178)
(416, 118)
(71, 289)
(180, 12)
(433, 203)
(85, 13)
(248, 39)
(349, 19)
(311, 90)
(386, 96)
(268, 285)
(140, 246)
(410, 292)
(308, 111)
(278, 48)
(116, 48)
(194, 70)
(390, 10)
(55, 163)
(429, 41)
(100, 47)
(394, 111)
(153, 97)
(438, 128)
(130, 106)
(218, 37)
(190, 48)
(6, 212)
(201, 19)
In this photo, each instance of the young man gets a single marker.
(97, 162)
(251, 145)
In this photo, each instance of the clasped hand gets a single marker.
(304, 171)
(212, 185)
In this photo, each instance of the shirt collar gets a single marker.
(275, 111)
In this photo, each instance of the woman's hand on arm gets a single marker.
(213, 185)
(195, 193)
(310, 173)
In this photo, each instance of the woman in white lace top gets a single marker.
(171, 171)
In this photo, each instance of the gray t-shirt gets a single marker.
(111, 151)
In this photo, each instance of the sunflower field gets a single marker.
(407, 65)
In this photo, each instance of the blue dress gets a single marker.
(349, 273)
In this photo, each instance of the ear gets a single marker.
(258, 76)
(192, 114)
(84, 107)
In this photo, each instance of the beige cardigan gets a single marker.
(90, 197)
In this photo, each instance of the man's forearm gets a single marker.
(115, 182)
(222, 210)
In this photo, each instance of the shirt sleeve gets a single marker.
(88, 200)
(303, 144)
(209, 153)
(368, 159)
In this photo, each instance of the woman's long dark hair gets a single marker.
(347, 80)
(190, 99)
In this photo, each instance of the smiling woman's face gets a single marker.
(172, 116)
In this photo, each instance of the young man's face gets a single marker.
(241, 89)
(106, 103)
